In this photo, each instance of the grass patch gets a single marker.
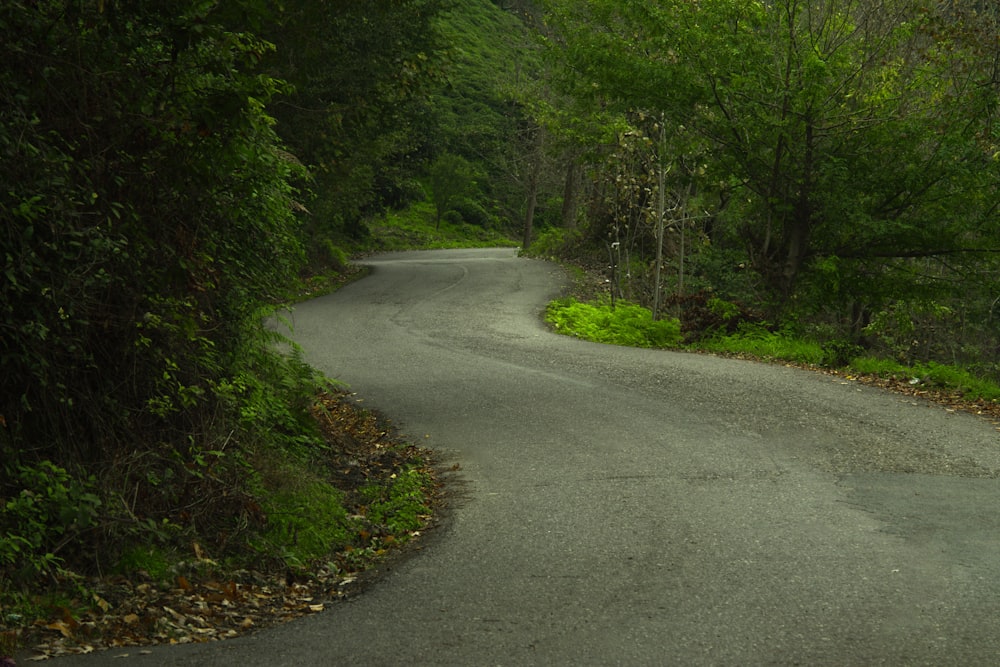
(930, 375)
(401, 506)
(306, 517)
(149, 559)
(632, 325)
(878, 367)
(414, 228)
(757, 341)
(625, 324)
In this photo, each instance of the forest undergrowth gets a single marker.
(378, 492)
(720, 329)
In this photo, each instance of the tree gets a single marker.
(451, 177)
(842, 136)
(355, 114)
(147, 211)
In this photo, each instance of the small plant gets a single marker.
(839, 353)
(401, 506)
(550, 241)
(306, 518)
(940, 376)
(625, 324)
(704, 315)
(336, 256)
(758, 341)
(145, 558)
(470, 211)
(47, 512)
(877, 366)
(959, 380)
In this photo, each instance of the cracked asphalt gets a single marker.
(617, 506)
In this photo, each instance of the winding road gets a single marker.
(617, 506)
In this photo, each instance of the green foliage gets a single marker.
(45, 511)
(271, 392)
(836, 145)
(877, 366)
(150, 559)
(551, 241)
(147, 209)
(625, 324)
(913, 330)
(415, 227)
(933, 375)
(450, 178)
(306, 519)
(759, 341)
(723, 309)
(838, 353)
(475, 117)
(704, 315)
(452, 217)
(958, 380)
(356, 114)
(472, 212)
(630, 325)
(402, 505)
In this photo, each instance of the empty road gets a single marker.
(617, 506)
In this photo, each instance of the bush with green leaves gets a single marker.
(147, 210)
(472, 212)
(622, 324)
(306, 519)
(401, 505)
(451, 178)
(758, 340)
(44, 512)
(705, 315)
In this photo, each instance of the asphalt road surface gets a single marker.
(619, 506)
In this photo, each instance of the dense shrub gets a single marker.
(471, 212)
(704, 315)
(622, 324)
(146, 211)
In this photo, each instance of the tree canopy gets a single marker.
(171, 170)
(147, 209)
(847, 150)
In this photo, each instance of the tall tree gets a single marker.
(146, 211)
(837, 130)
(451, 177)
(360, 73)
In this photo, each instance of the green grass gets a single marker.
(401, 505)
(759, 342)
(632, 325)
(306, 519)
(415, 228)
(930, 374)
(147, 558)
(879, 367)
(625, 324)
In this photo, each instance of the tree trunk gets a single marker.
(529, 213)
(532, 192)
(571, 190)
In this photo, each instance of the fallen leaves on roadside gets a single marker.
(188, 612)
(198, 607)
(951, 400)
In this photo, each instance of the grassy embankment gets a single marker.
(629, 324)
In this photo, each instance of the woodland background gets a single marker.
(172, 171)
